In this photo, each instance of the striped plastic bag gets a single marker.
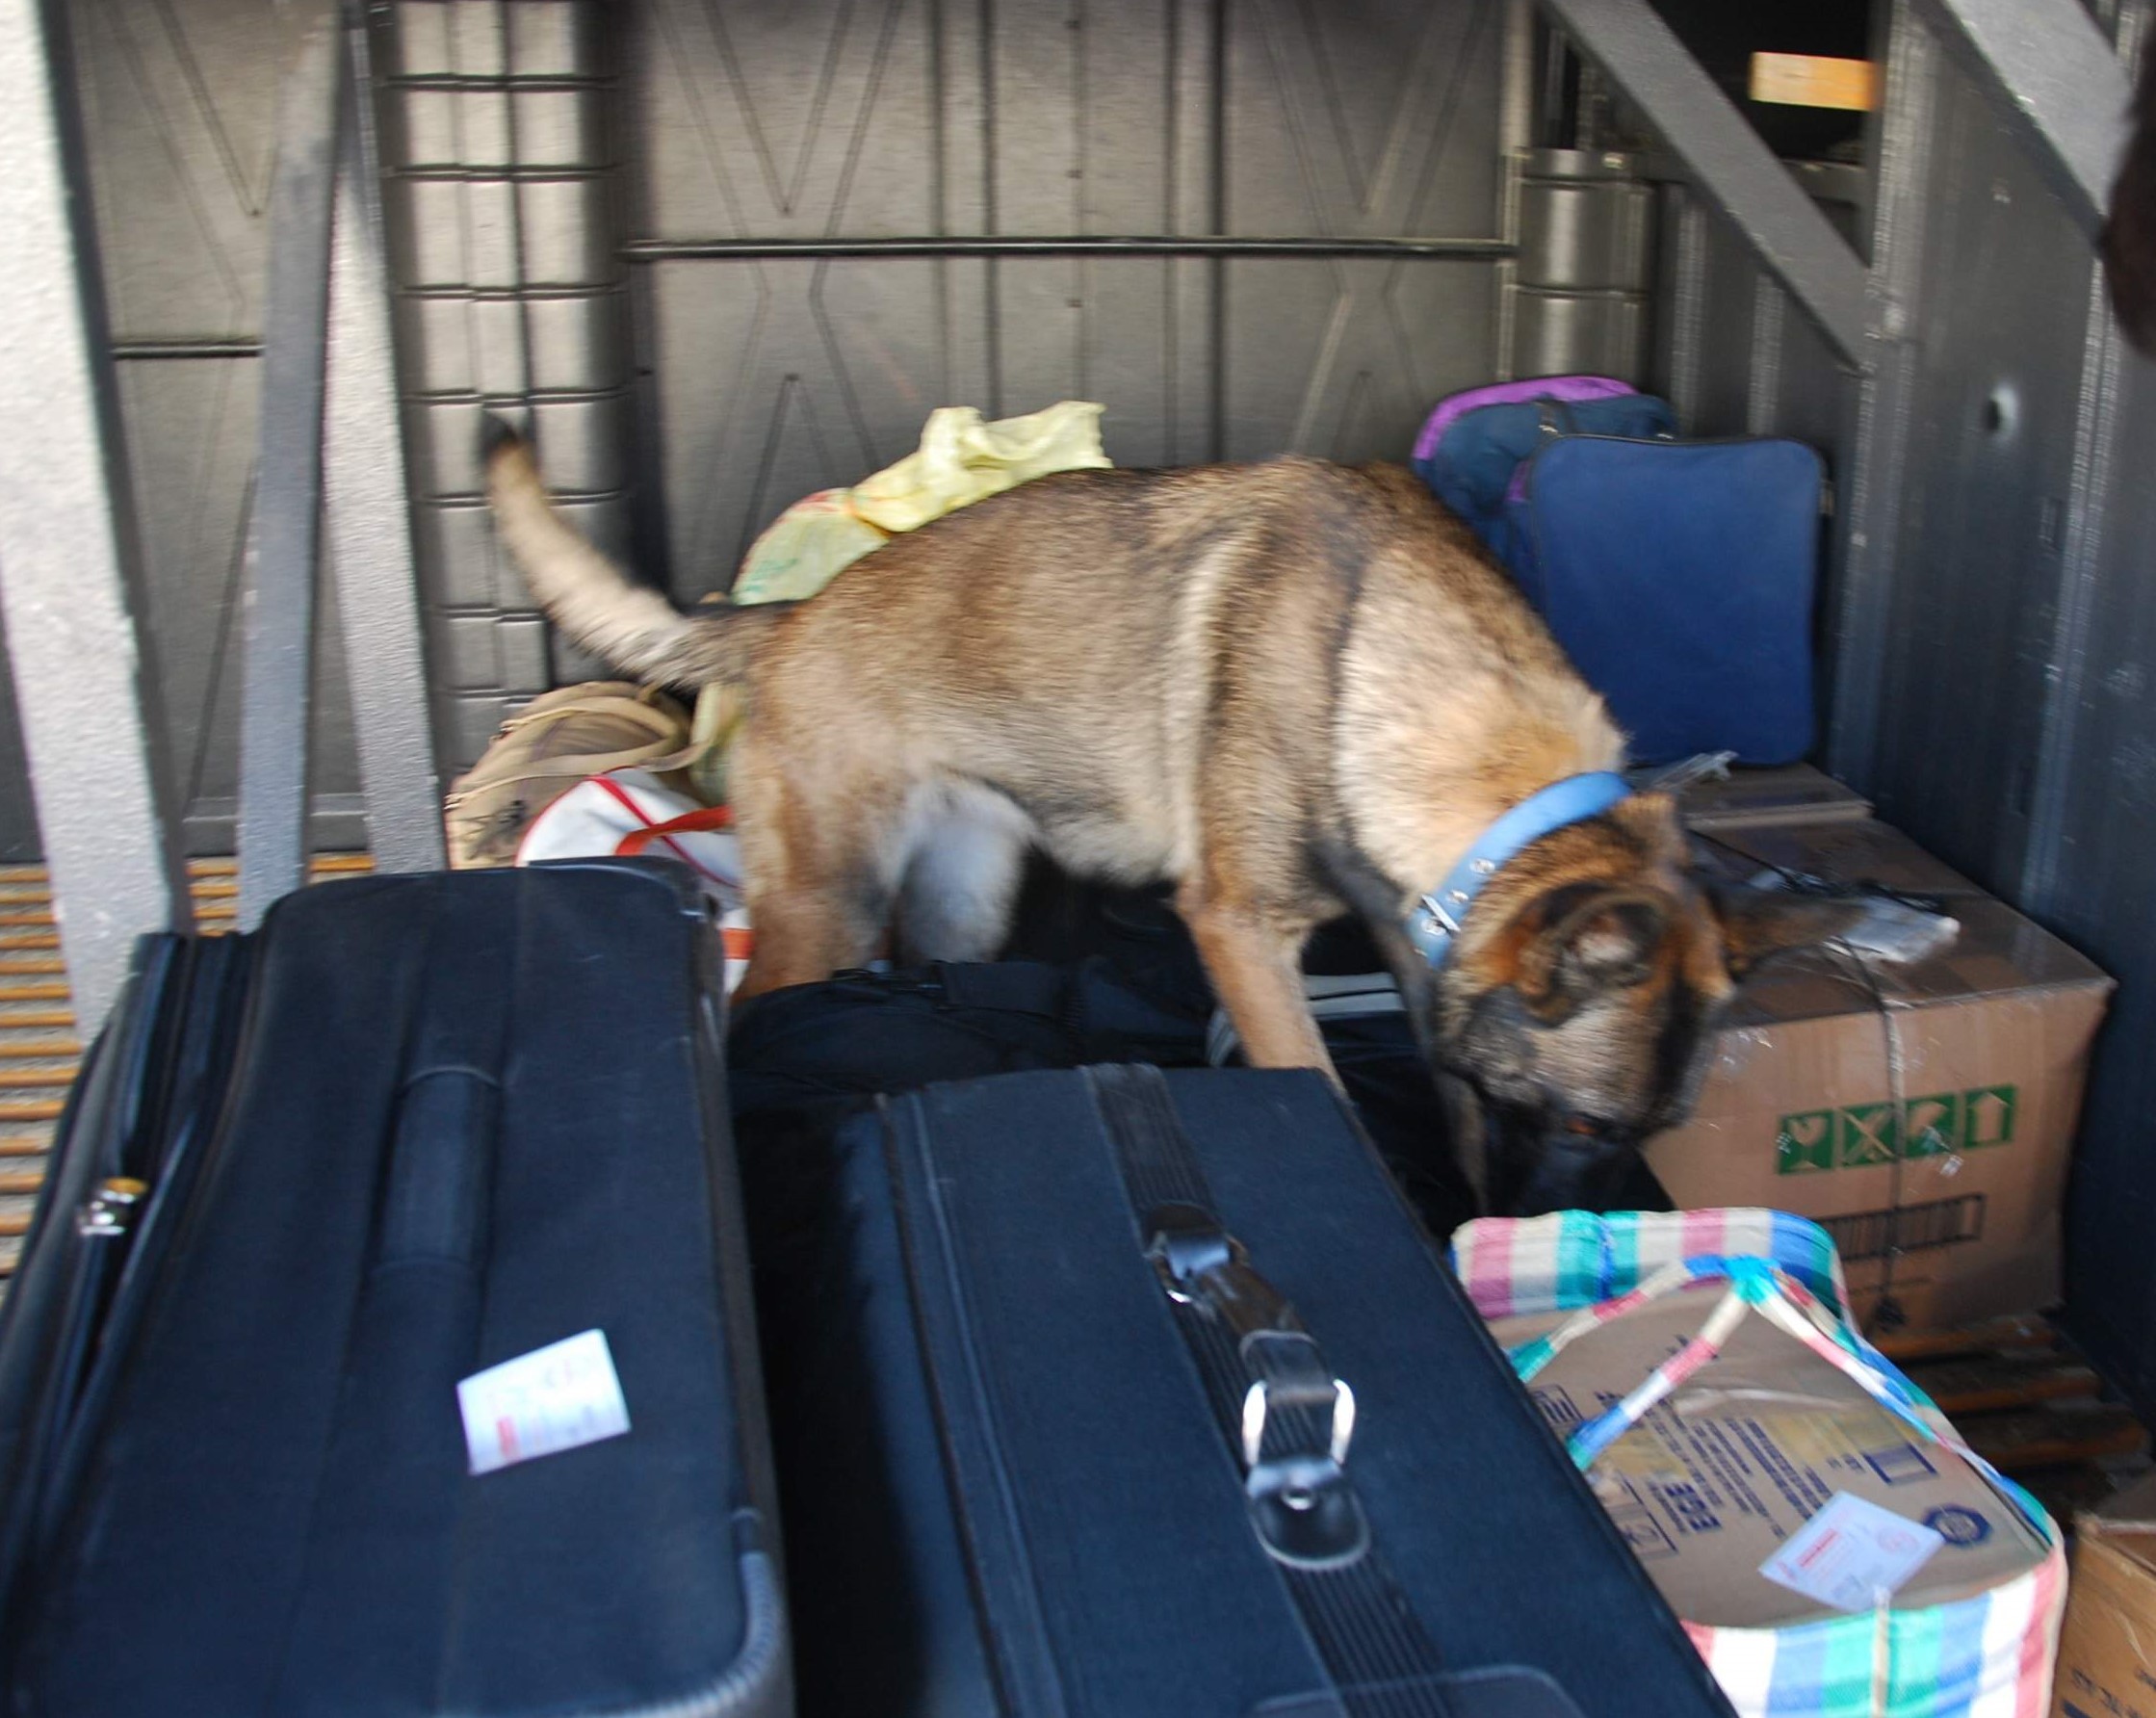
(1990, 1656)
(631, 812)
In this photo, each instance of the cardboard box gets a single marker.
(1992, 1040)
(1716, 1485)
(2107, 1650)
(1746, 798)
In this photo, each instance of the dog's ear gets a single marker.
(1582, 940)
(1759, 924)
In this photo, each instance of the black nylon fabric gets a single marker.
(1360, 1621)
(1020, 1502)
(471, 1115)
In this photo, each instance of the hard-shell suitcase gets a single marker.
(1121, 1393)
(311, 1180)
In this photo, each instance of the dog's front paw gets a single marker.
(1900, 934)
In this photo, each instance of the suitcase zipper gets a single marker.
(112, 1210)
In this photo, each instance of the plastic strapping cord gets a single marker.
(1889, 1311)
(1382, 1662)
(1890, 1315)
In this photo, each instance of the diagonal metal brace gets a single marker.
(2054, 79)
(368, 505)
(1732, 168)
(276, 698)
(331, 453)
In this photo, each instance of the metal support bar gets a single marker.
(369, 510)
(68, 579)
(2056, 79)
(663, 250)
(153, 349)
(1873, 482)
(283, 537)
(1730, 162)
(2097, 458)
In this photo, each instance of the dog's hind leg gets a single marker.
(1256, 971)
(820, 868)
(966, 847)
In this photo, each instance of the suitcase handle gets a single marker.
(1270, 1384)
(1200, 1264)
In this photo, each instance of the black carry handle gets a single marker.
(1297, 1418)
(1288, 1417)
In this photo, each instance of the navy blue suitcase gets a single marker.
(1114, 1394)
(310, 1180)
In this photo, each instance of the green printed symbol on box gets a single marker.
(1935, 1125)
(1804, 1141)
(1990, 1117)
(1857, 1135)
(1867, 1134)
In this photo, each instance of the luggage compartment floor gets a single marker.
(39, 1051)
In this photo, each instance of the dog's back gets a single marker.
(1131, 632)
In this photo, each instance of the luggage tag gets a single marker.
(551, 1399)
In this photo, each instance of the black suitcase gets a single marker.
(1056, 1444)
(309, 1181)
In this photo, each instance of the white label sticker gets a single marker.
(1852, 1554)
(552, 1398)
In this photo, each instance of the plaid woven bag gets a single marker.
(1990, 1656)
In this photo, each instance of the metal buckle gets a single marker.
(1257, 1404)
(1186, 1243)
(1437, 911)
(111, 1209)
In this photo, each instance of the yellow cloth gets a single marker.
(962, 458)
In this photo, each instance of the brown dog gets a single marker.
(1294, 689)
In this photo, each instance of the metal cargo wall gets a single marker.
(854, 128)
(177, 105)
(1993, 620)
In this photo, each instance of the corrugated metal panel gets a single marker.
(177, 108)
(1999, 329)
(769, 378)
(498, 150)
(2096, 884)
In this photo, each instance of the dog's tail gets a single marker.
(594, 601)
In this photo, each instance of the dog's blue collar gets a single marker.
(1436, 919)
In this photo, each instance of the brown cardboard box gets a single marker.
(1992, 1039)
(1728, 1470)
(1796, 793)
(2107, 1650)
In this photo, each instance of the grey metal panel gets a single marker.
(786, 120)
(177, 107)
(18, 811)
(2055, 80)
(1596, 233)
(1570, 333)
(777, 378)
(368, 505)
(1732, 165)
(2099, 898)
(1901, 149)
(1990, 464)
(283, 551)
(1343, 359)
(1116, 332)
(1364, 121)
(504, 238)
(68, 579)
(772, 377)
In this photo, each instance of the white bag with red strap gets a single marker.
(626, 813)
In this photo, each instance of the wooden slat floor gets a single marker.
(40, 1049)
